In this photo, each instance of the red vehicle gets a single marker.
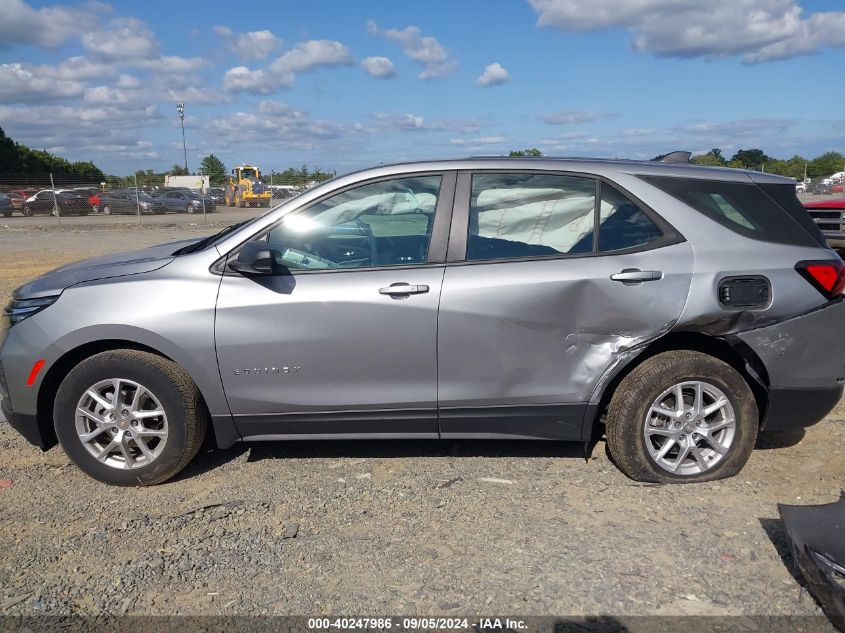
(828, 214)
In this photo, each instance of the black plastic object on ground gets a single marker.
(817, 537)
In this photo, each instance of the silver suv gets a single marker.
(677, 309)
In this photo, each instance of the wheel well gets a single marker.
(60, 369)
(735, 353)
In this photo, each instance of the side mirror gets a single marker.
(254, 258)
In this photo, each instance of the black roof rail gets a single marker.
(674, 157)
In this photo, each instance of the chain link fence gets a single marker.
(50, 197)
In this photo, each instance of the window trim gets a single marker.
(459, 235)
(437, 243)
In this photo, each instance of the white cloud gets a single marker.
(251, 45)
(570, 117)
(312, 54)
(638, 131)
(19, 84)
(494, 75)
(281, 73)
(417, 123)
(425, 50)
(242, 79)
(756, 30)
(47, 26)
(276, 124)
(481, 140)
(738, 128)
(105, 95)
(378, 67)
(171, 64)
(122, 38)
(86, 129)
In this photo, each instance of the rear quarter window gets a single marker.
(745, 208)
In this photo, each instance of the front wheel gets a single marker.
(129, 418)
(7, 214)
(106, 210)
(682, 417)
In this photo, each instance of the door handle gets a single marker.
(636, 276)
(402, 289)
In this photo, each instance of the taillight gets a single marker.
(828, 277)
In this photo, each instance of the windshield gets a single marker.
(248, 173)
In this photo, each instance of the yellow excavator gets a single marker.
(245, 188)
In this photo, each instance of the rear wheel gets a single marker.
(129, 418)
(106, 210)
(681, 417)
(7, 214)
(27, 211)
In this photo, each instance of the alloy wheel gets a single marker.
(121, 423)
(690, 428)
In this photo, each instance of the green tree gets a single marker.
(178, 170)
(826, 164)
(214, 168)
(750, 158)
(713, 158)
(523, 153)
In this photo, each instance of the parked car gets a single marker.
(823, 188)
(677, 309)
(837, 188)
(126, 201)
(17, 199)
(56, 203)
(5, 205)
(800, 187)
(829, 215)
(183, 201)
(218, 194)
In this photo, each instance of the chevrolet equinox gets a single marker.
(677, 309)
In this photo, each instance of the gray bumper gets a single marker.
(805, 352)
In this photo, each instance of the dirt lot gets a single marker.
(378, 528)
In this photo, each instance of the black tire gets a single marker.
(189, 209)
(106, 210)
(7, 214)
(629, 408)
(27, 211)
(178, 395)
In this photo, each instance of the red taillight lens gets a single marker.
(828, 277)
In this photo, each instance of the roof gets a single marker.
(600, 166)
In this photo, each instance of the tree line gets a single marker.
(218, 175)
(18, 161)
(756, 159)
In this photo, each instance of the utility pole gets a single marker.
(180, 108)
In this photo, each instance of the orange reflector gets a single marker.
(33, 375)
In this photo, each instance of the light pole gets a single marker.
(180, 107)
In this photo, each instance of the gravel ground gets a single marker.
(394, 527)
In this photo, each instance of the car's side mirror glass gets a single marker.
(254, 258)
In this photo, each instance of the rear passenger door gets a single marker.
(550, 278)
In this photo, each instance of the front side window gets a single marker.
(385, 223)
(530, 215)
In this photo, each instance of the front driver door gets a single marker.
(342, 338)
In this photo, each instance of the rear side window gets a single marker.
(785, 196)
(744, 208)
(623, 224)
(530, 215)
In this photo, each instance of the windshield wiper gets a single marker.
(208, 241)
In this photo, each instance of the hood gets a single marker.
(105, 267)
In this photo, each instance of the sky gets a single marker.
(345, 85)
